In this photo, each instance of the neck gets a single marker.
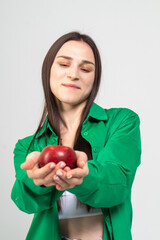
(71, 115)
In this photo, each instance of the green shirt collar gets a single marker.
(42, 130)
(95, 112)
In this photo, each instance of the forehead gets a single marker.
(77, 50)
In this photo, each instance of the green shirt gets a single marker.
(114, 136)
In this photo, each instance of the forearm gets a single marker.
(31, 198)
(102, 188)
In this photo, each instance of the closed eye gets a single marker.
(85, 70)
(63, 65)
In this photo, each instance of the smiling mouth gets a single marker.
(70, 86)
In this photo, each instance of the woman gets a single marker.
(92, 201)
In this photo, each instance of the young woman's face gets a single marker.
(72, 73)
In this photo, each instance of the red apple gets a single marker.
(57, 153)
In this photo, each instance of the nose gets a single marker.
(73, 73)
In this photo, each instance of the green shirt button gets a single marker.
(86, 133)
(95, 149)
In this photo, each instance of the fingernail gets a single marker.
(62, 165)
(57, 178)
(83, 162)
(66, 170)
(52, 165)
(69, 176)
(60, 174)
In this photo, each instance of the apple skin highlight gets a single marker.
(57, 153)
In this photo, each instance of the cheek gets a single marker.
(57, 75)
(89, 82)
(53, 81)
(54, 77)
(53, 73)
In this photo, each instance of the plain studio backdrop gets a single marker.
(127, 34)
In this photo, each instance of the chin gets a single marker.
(73, 102)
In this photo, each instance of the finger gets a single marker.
(60, 174)
(71, 184)
(60, 188)
(66, 169)
(44, 176)
(40, 182)
(81, 158)
(40, 173)
(60, 178)
(60, 165)
(77, 172)
(50, 184)
(46, 181)
(80, 163)
(61, 183)
(31, 160)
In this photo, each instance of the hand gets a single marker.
(44, 175)
(67, 178)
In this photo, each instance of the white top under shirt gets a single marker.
(69, 208)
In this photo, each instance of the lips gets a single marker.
(70, 85)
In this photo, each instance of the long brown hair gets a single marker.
(50, 107)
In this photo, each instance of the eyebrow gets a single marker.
(69, 58)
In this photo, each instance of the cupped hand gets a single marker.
(67, 178)
(41, 176)
(58, 175)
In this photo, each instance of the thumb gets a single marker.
(80, 163)
(31, 160)
(81, 158)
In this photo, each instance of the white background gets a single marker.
(127, 34)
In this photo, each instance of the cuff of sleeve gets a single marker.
(90, 183)
(40, 190)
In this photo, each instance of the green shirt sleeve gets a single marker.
(27, 196)
(111, 175)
